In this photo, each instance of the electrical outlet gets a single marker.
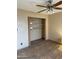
(17, 29)
(21, 43)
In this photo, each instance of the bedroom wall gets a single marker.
(37, 15)
(22, 25)
(22, 32)
(55, 26)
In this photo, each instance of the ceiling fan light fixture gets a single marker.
(50, 12)
(50, 7)
(53, 12)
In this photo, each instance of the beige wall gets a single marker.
(31, 14)
(55, 26)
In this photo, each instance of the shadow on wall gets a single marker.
(58, 37)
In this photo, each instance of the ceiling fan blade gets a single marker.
(58, 8)
(41, 10)
(58, 3)
(41, 6)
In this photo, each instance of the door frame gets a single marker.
(29, 28)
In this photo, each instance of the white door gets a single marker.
(35, 29)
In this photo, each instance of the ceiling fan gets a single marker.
(50, 6)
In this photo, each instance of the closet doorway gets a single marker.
(36, 29)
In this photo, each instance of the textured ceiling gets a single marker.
(30, 5)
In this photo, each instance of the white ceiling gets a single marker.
(30, 5)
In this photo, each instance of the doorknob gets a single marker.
(31, 23)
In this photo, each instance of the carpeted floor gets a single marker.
(41, 49)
